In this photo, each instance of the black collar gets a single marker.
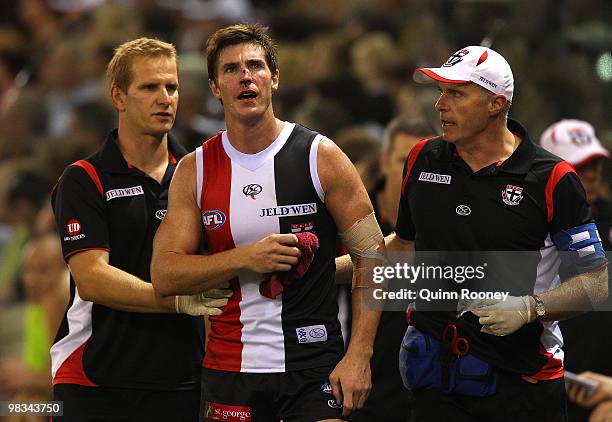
(518, 163)
(112, 161)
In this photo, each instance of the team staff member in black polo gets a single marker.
(484, 186)
(120, 354)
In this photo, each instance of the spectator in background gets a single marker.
(44, 23)
(22, 124)
(24, 193)
(66, 82)
(46, 281)
(89, 121)
(372, 58)
(575, 141)
(201, 113)
(322, 114)
(400, 135)
(14, 53)
(362, 148)
(586, 349)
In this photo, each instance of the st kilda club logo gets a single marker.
(456, 58)
(252, 190)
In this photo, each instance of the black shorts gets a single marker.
(103, 404)
(296, 396)
(515, 400)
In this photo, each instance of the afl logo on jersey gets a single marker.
(252, 190)
(213, 219)
(73, 227)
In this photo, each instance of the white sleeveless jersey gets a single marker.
(243, 198)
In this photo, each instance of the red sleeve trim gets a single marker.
(560, 170)
(93, 174)
(412, 156)
(69, 254)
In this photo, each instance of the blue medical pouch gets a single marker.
(426, 363)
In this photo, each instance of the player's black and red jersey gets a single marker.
(105, 203)
(519, 205)
(243, 198)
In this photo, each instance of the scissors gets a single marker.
(459, 345)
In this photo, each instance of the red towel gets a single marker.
(272, 284)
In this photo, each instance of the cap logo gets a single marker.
(456, 58)
(488, 82)
(483, 57)
(579, 137)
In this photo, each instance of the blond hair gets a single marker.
(119, 69)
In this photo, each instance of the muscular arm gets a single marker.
(177, 268)
(98, 281)
(574, 296)
(348, 202)
(344, 269)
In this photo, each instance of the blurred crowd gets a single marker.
(345, 71)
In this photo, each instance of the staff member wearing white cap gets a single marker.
(586, 349)
(484, 186)
(576, 142)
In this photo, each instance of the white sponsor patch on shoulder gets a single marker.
(444, 179)
(311, 334)
(118, 193)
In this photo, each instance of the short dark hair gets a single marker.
(238, 34)
(414, 126)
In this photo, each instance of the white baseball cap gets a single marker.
(574, 141)
(477, 64)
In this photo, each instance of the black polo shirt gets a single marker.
(504, 215)
(105, 203)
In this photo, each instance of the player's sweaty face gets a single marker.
(244, 81)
